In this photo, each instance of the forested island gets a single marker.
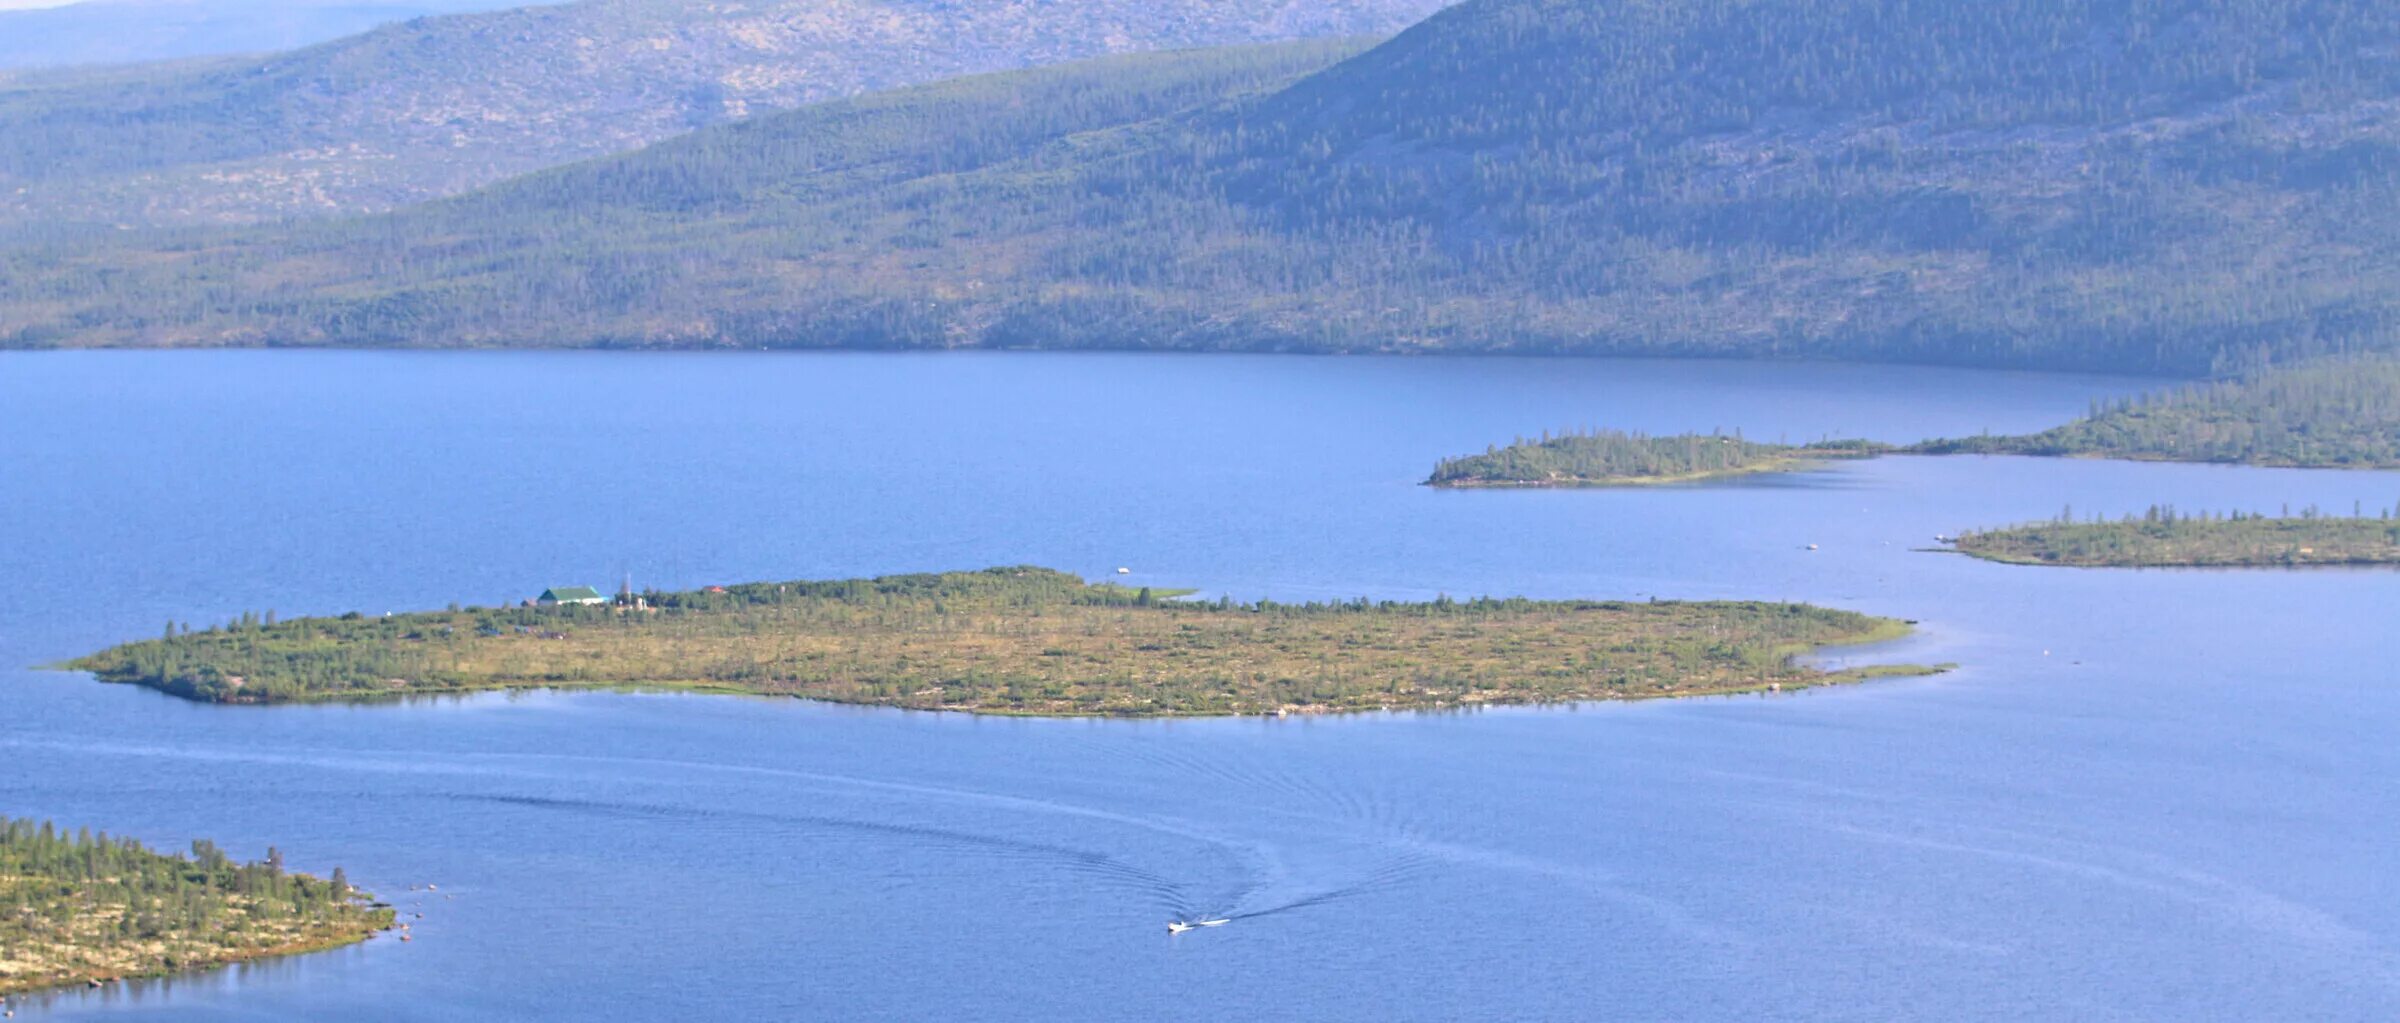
(2163, 538)
(2338, 412)
(1601, 458)
(1022, 641)
(2331, 413)
(82, 908)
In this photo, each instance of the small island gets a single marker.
(2164, 538)
(86, 909)
(1022, 641)
(1612, 458)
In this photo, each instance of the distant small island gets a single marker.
(84, 909)
(1021, 641)
(1606, 458)
(2164, 538)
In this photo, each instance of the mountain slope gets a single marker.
(698, 239)
(2165, 185)
(2110, 183)
(126, 31)
(435, 106)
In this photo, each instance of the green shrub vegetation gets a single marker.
(2161, 186)
(1612, 457)
(2163, 537)
(2341, 413)
(2338, 412)
(1018, 641)
(79, 907)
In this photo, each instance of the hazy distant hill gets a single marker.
(434, 106)
(124, 31)
(2152, 185)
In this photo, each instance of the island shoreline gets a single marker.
(1023, 643)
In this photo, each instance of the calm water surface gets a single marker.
(2147, 795)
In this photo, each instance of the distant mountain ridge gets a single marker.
(2157, 186)
(434, 106)
(129, 31)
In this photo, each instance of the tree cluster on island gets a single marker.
(2338, 412)
(1605, 457)
(2332, 413)
(84, 908)
(2162, 537)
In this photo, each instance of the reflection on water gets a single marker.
(161, 995)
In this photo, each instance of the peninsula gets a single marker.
(2333, 413)
(2162, 538)
(1023, 641)
(1608, 458)
(2339, 412)
(85, 909)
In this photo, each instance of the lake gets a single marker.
(2144, 795)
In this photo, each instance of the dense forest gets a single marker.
(1606, 457)
(2164, 537)
(2341, 413)
(82, 907)
(2164, 185)
(1020, 641)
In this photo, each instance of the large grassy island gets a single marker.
(1022, 641)
(2163, 538)
(82, 908)
(1605, 458)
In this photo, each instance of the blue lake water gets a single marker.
(2146, 794)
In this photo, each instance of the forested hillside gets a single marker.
(434, 106)
(2167, 185)
(709, 238)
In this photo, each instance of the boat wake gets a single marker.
(1391, 874)
(1095, 867)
